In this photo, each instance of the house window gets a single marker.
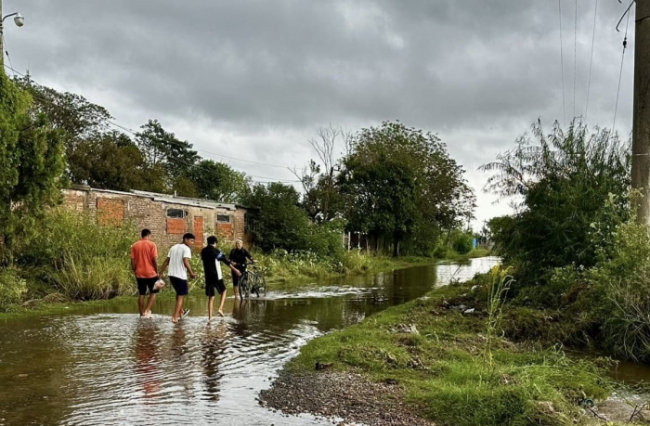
(175, 213)
(223, 218)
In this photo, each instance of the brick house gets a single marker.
(167, 216)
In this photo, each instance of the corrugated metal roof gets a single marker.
(166, 198)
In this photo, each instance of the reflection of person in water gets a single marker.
(182, 355)
(146, 356)
(213, 347)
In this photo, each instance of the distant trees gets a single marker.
(219, 181)
(400, 184)
(394, 183)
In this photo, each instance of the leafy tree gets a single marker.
(162, 148)
(72, 113)
(31, 154)
(109, 161)
(572, 183)
(279, 221)
(398, 181)
(218, 181)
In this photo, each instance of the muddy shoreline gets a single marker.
(346, 396)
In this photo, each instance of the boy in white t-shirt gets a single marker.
(178, 261)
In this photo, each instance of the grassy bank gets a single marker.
(455, 368)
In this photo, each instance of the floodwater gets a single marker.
(105, 366)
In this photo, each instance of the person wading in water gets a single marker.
(211, 256)
(144, 263)
(178, 261)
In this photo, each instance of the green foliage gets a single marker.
(72, 114)
(444, 372)
(162, 149)
(109, 161)
(12, 287)
(31, 154)
(218, 181)
(280, 223)
(397, 178)
(566, 179)
(80, 258)
(625, 280)
(462, 243)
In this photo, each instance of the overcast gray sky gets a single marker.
(254, 79)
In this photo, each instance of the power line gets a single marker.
(591, 61)
(620, 74)
(559, 3)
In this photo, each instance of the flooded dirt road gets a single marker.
(105, 366)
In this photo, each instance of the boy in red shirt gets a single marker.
(144, 262)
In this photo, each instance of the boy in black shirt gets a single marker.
(211, 256)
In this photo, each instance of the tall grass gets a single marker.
(497, 294)
(80, 258)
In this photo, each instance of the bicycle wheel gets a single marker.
(255, 288)
(244, 286)
(261, 286)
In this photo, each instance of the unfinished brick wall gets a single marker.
(75, 200)
(176, 226)
(110, 211)
(198, 232)
(144, 212)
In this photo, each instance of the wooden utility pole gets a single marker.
(2, 46)
(641, 121)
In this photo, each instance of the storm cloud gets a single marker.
(255, 79)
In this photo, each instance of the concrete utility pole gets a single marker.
(641, 121)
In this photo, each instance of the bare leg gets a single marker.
(210, 307)
(141, 305)
(236, 288)
(152, 298)
(178, 308)
(222, 301)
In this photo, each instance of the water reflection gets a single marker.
(108, 367)
(213, 348)
(147, 358)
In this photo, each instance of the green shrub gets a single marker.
(79, 257)
(462, 243)
(625, 280)
(567, 179)
(12, 288)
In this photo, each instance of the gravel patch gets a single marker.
(341, 395)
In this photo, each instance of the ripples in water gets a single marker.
(111, 368)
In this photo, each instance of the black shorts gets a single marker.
(212, 285)
(146, 283)
(235, 278)
(180, 286)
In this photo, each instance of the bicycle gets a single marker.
(252, 281)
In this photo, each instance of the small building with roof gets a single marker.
(167, 216)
